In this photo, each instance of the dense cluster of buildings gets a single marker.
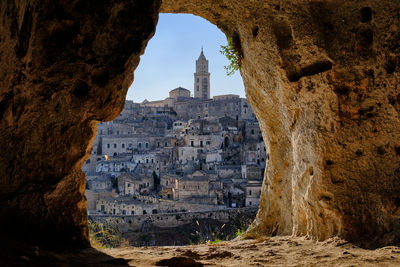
(182, 153)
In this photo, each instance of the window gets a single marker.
(166, 144)
(147, 160)
(152, 161)
(108, 145)
(158, 144)
(197, 88)
(129, 185)
(201, 143)
(249, 192)
(123, 145)
(147, 145)
(191, 143)
(197, 79)
(140, 145)
(115, 145)
(252, 131)
(117, 132)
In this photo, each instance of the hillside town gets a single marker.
(180, 154)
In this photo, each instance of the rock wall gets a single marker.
(127, 223)
(322, 78)
(64, 66)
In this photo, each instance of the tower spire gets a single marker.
(202, 77)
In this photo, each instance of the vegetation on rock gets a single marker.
(233, 55)
(105, 236)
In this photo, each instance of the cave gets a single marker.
(321, 76)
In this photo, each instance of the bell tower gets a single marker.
(202, 78)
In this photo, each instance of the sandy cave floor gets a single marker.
(275, 251)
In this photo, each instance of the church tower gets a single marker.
(202, 78)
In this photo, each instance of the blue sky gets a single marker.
(169, 59)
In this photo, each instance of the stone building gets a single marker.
(202, 78)
(189, 150)
(253, 192)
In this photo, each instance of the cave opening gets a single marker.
(179, 169)
(321, 77)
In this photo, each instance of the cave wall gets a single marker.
(322, 78)
(64, 66)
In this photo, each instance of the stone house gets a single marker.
(253, 192)
(133, 184)
(100, 182)
(125, 206)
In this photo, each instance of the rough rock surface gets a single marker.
(274, 251)
(322, 78)
(64, 65)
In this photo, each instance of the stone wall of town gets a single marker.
(167, 220)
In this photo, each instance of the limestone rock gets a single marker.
(64, 65)
(322, 78)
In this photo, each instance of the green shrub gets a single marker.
(239, 232)
(216, 241)
(233, 55)
(105, 236)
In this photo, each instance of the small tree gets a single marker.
(156, 180)
(114, 182)
(232, 53)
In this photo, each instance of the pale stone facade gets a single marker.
(193, 150)
(202, 78)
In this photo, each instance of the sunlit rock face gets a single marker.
(64, 65)
(322, 77)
